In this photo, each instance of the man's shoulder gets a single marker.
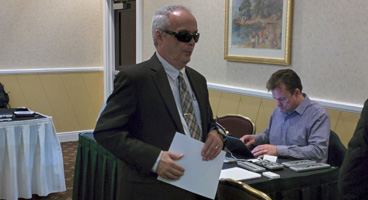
(192, 72)
(314, 105)
(144, 67)
(315, 111)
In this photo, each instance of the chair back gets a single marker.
(336, 150)
(229, 189)
(237, 125)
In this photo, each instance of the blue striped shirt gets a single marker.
(302, 134)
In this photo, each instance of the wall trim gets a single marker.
(348, 107)
(51, 70)
(71, 136)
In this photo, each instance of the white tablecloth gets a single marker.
(31, 160)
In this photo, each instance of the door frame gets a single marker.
(109, 42)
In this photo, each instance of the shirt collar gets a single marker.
(170, 70)
(301, 108)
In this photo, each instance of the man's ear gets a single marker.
(158, 36)
(297, 92)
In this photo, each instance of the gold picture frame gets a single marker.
(258, 31)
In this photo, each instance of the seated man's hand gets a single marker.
(213, 145)
(248, 140)
(168, 168)
(261, 150)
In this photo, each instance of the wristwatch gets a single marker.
(221, 131)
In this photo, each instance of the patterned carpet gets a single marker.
(69, 154)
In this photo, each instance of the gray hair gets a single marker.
(160, 20)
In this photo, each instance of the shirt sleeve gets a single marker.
(154, 168)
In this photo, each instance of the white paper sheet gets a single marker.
(200, 177)
(238, 174)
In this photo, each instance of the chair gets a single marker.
(237, 125)
(229, 189)
(336, 150)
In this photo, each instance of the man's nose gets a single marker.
(192, 41)
(279, 104)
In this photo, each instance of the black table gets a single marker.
(96, 177)
(317, 184)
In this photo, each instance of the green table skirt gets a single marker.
(95, 175)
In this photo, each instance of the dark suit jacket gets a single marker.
(353, 179)
(141, 118)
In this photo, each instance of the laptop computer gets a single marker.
(6, 114)
(236, 146)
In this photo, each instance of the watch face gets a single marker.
(220, 129)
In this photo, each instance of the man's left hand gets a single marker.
(213, 145)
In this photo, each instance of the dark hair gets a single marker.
(287, 77)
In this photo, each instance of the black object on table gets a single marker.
(10, 112)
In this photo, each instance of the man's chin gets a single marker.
(186, 60)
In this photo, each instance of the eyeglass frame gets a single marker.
(194, 36)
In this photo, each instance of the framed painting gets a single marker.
(258, 31)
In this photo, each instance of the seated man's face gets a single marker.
(286, 101)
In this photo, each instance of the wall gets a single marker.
(47, 51)
(328, 52)
(50, 34)
(328, 48)
(74, 100)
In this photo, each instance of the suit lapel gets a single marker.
(161, 81)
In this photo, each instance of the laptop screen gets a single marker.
(236, 146)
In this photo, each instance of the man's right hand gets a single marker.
(248, 140)
(168, 168)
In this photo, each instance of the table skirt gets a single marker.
(96, 171)
(31, 160)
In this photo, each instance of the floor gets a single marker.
(69, 150)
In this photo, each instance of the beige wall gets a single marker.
(328, 48)
(328, 52)
(51, 34)
(259, 110)
(74, 100)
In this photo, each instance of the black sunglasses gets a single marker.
(183, 36)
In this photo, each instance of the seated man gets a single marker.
(299, 128)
